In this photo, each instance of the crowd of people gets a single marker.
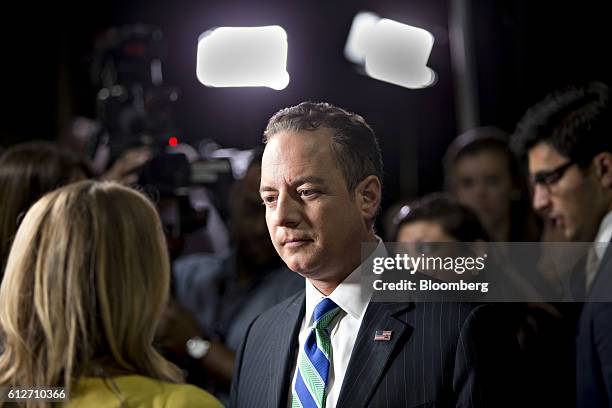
(92, 301)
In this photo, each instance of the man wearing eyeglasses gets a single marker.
(567, 140)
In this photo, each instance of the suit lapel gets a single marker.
(284, 355)
(370, 358)
(600, 288)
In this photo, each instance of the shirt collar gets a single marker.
(604, 235)
(348, 294)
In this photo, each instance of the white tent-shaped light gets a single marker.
(391, 51)
(243, 56)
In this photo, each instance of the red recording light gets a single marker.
(173, 141)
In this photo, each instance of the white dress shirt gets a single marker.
(343, 328)
(602, 239)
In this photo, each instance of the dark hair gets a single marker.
(575, 121)
(523, 222)
(27, 172)
(476, 141)
(354, 142)
(455, 219)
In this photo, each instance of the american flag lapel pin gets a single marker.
(383, 335)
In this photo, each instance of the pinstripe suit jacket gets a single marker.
(439, 355)
(594, 341)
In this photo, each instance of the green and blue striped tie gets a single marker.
(310, 390)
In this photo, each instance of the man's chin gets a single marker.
(299, 269)
(299, 266)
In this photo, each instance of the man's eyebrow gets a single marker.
(296, 183)
(266, 188)
(543, 173)
(308, 179)
(539, 173)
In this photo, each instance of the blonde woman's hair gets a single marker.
(85, 283)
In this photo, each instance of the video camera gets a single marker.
(135, 109)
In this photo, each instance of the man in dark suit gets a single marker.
(330, 346)
(567, 139)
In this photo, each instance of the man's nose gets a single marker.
(541, 197)
(287, 211)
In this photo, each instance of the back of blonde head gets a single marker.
(85, 282)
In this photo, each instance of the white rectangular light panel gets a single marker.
(397, 53)
(243, 56)
(354, 50)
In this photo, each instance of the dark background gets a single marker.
(523, 49)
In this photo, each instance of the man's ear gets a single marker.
(602, 164)
(368, 195)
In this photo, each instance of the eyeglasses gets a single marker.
(548, 179)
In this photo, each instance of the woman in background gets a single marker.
(482, 173)
(27, 171)
(85, 283)
(437, 217)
